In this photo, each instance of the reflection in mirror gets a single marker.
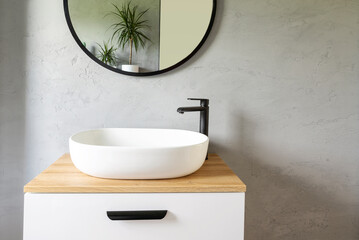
(145, 36)
(94, 20)
(183, 25)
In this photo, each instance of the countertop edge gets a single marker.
(44, 187)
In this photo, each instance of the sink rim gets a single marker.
(205, 138)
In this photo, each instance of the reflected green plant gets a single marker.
(128, 30)
(107, 54)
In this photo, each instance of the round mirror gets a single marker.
(140, 37)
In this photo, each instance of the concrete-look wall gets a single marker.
(283, 81)
(12, 116)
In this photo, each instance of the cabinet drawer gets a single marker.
(84, 216)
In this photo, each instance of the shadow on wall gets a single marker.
(280, 202)
(13, 16)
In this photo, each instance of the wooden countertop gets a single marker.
(63, 177)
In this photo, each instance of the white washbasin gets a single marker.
(135, 153)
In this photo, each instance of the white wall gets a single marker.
(282, 77)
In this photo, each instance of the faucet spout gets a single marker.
(191, 109)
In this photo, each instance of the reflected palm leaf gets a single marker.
(129, 27)
(107, 54)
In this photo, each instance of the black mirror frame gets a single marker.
(72, 30)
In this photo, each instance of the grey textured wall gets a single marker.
(12, 116)
(283, 81)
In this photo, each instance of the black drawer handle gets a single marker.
(136, 215)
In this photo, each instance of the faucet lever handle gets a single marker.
(203, 101)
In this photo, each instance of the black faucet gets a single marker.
(204, 114)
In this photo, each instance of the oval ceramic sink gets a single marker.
(126, 153)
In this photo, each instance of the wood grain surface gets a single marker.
(63, 177)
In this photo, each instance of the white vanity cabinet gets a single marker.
(64, 204)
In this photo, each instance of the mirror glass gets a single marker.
(140, 37)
